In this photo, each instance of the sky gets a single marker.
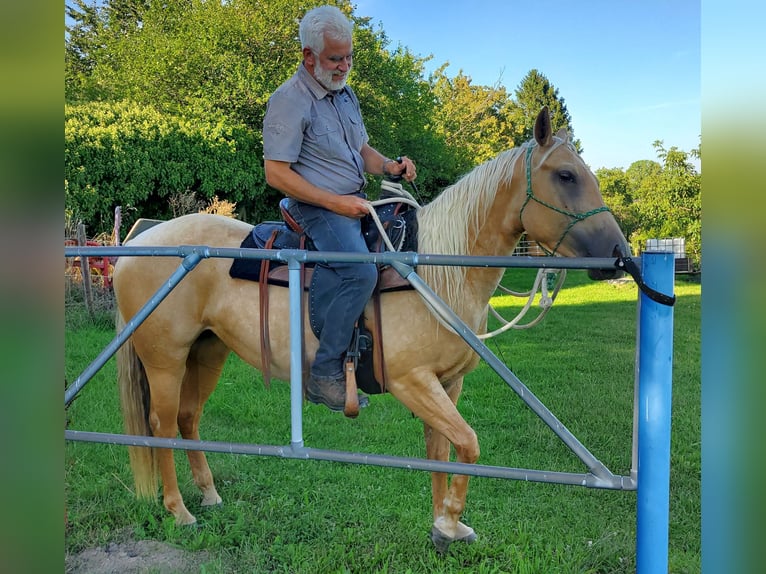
(628, 71)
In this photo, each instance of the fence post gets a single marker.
(82, 241)
(655, 366)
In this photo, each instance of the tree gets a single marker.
(656, 200)
(471, 118)
(618, 195)
(184, 55)
(534, 92)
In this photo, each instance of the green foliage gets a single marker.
(123, 153)
(618, 195)
(657, 200)
(184, 56)
(471, 118)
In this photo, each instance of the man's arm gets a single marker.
(279, 175)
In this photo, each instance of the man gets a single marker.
(316, 152)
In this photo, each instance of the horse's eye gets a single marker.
(566, 176)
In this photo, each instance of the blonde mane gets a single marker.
(449, 225)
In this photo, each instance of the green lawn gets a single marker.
(308, 516)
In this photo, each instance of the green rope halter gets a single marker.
(576, 217)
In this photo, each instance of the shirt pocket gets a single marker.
(356, 131)
(328, 137)
(352, 120)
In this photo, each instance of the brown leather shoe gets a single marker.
(330, 392)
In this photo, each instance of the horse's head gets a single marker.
(563, 210)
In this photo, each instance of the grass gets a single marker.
(311, 516)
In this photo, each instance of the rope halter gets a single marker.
(574, 216)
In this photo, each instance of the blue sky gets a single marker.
(628, 71)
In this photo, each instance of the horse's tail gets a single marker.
(134, 396)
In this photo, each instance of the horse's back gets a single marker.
(137, 277)
(194, 229)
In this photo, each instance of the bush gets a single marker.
(122, 153)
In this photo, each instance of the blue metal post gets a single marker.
(655, 365)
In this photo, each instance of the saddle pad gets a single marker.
(250, 270)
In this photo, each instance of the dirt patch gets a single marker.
(134, 557)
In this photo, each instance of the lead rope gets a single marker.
(546, 302)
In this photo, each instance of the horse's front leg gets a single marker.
(425, 396)
(438, 448)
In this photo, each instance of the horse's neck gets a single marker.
(490, 229)
(498, 234)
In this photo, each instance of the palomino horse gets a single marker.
(172, 363)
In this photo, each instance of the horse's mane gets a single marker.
(450, 224)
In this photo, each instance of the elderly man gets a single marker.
(316, 152)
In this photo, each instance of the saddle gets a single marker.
(400, 225)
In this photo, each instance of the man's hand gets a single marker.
(403, 167)
(349, 205)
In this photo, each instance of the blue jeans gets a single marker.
(350, 284)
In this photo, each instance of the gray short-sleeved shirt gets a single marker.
(318, 132)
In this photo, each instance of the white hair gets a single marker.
(323, 20)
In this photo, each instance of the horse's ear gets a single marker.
(543, 135)
(562, 133)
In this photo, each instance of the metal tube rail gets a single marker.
(388, 461)
(595, 466)
(408, 257)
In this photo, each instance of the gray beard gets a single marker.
(324, 77)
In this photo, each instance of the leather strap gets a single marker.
(263, 296)
(380, 372)
(351, 408)
(304, 358)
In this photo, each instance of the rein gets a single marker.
(576, 217)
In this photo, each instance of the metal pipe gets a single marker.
(189, 263)
(296, 352)
(408, 257)
(595, 466)
(654, 412)
(388, 461)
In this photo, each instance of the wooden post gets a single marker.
(85, 270)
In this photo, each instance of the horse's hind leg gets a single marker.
(203, 369)
(165, 384)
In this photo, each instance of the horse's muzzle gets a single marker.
(605, 273)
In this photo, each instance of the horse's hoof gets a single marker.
(440, 541)
(187, 522)
(465, 534)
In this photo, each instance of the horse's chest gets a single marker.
(459, 364)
